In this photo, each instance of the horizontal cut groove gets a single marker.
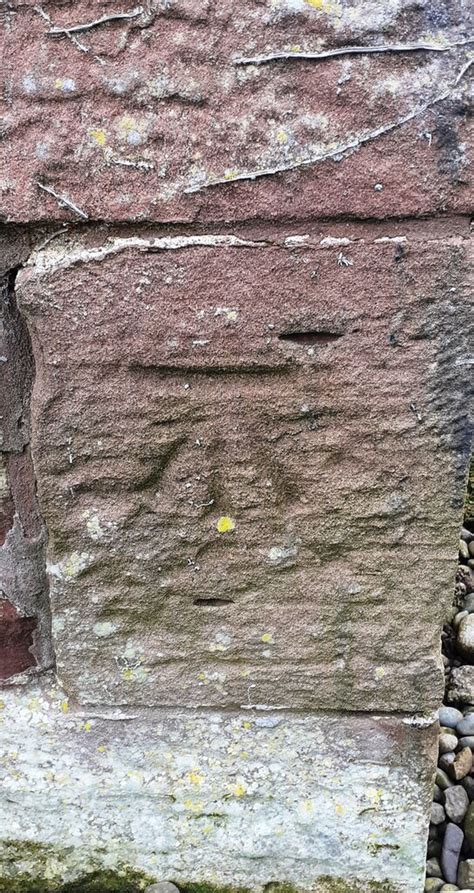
(311, 337)
(213, 602)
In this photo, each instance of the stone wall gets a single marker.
(235, 254)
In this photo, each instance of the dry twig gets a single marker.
(66, 202)
(350, 51)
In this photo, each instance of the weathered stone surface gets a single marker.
(255, 797)
(144, 110)
(238, 491)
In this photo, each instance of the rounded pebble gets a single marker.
(462, 764)
(465, 636)
(456, 803)
(162, 887)
(442, 779)
(433, 868)
(452, 845)
(447, 743)
(469, 826)
(433, 884)
(446, 760)
(468, 602)
(465, 726)
(459, 616)
(466, 874)
(468, 785)
(438, 814)
(467, 742)
(449, 716)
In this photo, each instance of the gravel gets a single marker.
(449, 867)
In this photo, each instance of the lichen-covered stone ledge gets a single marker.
(167, 111)
(247, 798)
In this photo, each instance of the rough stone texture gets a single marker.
(193, 784)
(144, 110)
(167, 398)
(249, 434)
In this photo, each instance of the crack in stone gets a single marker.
(25, 617)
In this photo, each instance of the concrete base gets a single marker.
(322, 802)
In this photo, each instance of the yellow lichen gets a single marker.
(239, 789)
(324, 6)
(99, 136)
(195, 777)
(225, 524)
(267, 638)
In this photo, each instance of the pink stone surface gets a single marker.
(126, 118)
(237, 518)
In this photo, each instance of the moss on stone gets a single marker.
(203, 887)
(129, 881)
(95, 882)
(337, 885)
(29, 867)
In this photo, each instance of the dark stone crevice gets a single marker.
(25, 616)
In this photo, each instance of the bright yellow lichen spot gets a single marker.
(99, 136)
(267, 638)
(239, 789)
(325, 6)
(65, 705)
(225, 524)
(58, 84)
(296, 48)
(379, 673)
(2, 705)
(231, 175)
(195, 777)
(247, 724)
(282, 137)
(102, 748)
(339, 809)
